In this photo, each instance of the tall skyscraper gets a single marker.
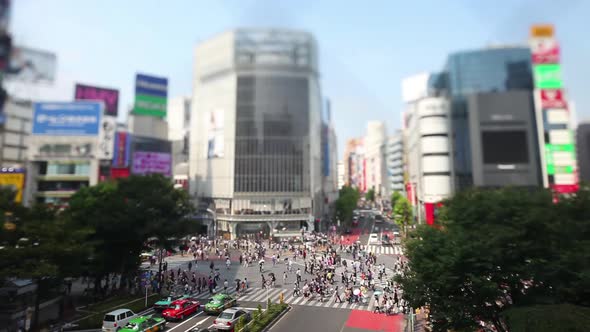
(255, 155)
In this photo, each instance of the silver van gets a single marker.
(116, 320)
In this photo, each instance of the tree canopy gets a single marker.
(394, 197)
(346, 203)
(125, 214)
(403, 214)
(370, 195)
(496, 250)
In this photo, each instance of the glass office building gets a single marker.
(479, 71)
(255, 153)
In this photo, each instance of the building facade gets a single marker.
(375, 166)
(255, 154)
(395, 163)
(15, 130)
(178, 118)
(70, 146)
(497, 70)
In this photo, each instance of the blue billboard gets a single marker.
(79, 118)
(151, 86)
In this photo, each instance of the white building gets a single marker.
(375, 168)
(70, 146)
(178, 118)
(255, 157)
(395, 163)
(15, 132)
(427, 124)
(341, 175)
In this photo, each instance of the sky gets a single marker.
(366, 47)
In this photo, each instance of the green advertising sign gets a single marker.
(150, 105)
(547, 76)
(559, 148)
(550, 162)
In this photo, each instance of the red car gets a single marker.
(180, 309)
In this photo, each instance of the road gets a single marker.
(307, 313)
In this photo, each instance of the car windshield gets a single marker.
(226, 315)
(131, 325)
(215, 301)
(175, 306)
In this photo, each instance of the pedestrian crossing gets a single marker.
(274, 294)
(385, 250)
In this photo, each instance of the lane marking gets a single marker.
(186, 321)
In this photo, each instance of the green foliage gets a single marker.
(394, 197)
(548, 318)
(346, 203)
(370, 195)
(124, 215)
(496, 250)
(402, 212)
(261, 320)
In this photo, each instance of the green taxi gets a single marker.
(218, 303)
(145, 324)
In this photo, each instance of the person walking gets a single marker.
(284, 277)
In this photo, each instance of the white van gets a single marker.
(116, 320)
(374, 238)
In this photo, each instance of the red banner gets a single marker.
(544, 50)
(553, 99)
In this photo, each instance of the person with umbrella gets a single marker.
(272, 279)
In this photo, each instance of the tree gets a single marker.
(499, 249)
(124, 215)
(48, 249)
(394, 197)
(402, 213)
(346, 203)
(370, 195)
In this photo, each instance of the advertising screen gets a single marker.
(110, 97)
(152, 162)
(13, 178)
(151, 95)
(80, 118)
(215, 134)
(504, 147)
(30, 65)
(548, 76)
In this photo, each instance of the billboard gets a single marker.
(152, 162)
(13, 178)
(544, 50)
(110, 97)
(151, 95)
(80, 118)
(553, 99)
(215, 134)
(547, 76)
(122, 150)
(106, 137)
(31, 65)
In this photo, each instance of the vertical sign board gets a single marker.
(13, 178)
(557, 149)
(151, 95)
(110, 97)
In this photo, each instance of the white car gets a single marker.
(116, 320)
(373, 238)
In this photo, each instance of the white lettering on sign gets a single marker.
(152, 86)
(66, 119)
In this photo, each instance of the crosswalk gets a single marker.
(261, 295)
(385, 250)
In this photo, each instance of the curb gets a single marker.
(274, 321)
